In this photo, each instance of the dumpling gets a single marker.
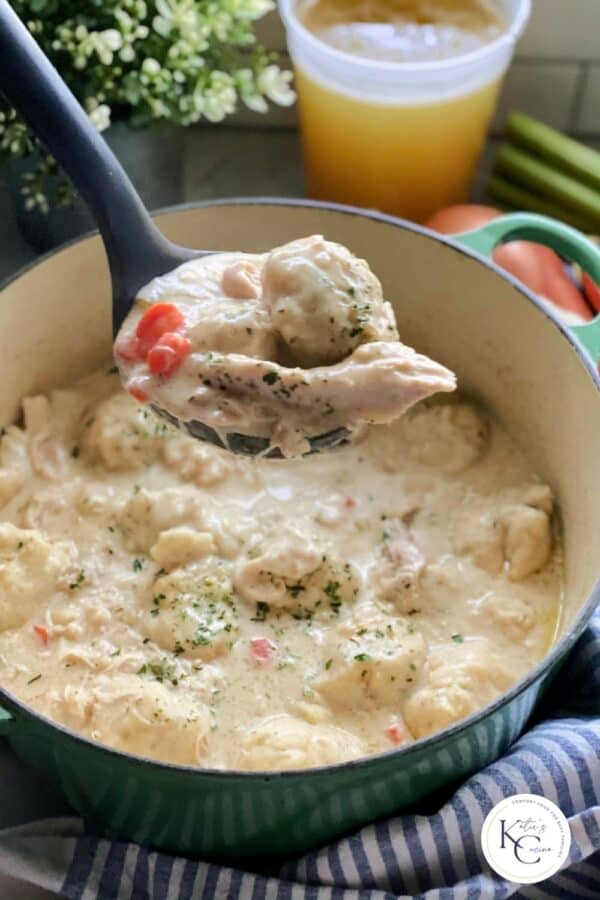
(233, 319)
(122, 435)
(527, 542)
(323, 301)
(449, 437)
(177, 547)
(460, 679)
(137, 714)
(373, 659)
(287, 742)
(516, 537)
(30, 568)
(192, 611)
(148, 514)
(191, 460)
(297, 574)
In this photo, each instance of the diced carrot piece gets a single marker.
(42, 632)
(168, 353)
(128, 349)
(137, 394)
(396, 733)
(349, 502)
(156, 321)
(262, 650)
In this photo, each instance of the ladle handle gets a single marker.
(31, 83)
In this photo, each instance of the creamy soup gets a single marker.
(172, 600)
(288, 345)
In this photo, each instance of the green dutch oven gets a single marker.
(537, 376)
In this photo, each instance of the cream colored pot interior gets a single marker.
(55, 325)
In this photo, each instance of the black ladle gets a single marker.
(136, 249)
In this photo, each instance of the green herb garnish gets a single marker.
(78, 581)
(262, 611)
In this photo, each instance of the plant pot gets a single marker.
(152, 156)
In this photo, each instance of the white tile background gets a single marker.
(555, 77)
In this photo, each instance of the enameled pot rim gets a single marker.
(560, 649)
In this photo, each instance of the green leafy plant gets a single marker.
(145, 61)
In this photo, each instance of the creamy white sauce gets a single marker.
(288, 345)
(409, 580)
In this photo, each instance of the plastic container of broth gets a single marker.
(402, 137)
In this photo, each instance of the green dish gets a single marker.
(456, 305)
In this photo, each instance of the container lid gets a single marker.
(387, 82)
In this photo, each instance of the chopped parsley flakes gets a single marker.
(78, 581)
(262, 611)
(160, 670)
(332, 590)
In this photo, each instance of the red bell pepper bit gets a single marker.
(349, 502)
(397, 733)
(137, 394)
(165, 357)
(262, 650)
(42, 633)
(159, 319)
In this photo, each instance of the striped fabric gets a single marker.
(429, 857)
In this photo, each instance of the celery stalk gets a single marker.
(557, 148)
(517, 198)
(543, 179)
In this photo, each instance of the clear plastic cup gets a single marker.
(400, 137)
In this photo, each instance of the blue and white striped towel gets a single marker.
(429, 857)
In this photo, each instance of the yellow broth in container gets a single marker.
(395, 96)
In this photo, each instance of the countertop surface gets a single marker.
(216, 162)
